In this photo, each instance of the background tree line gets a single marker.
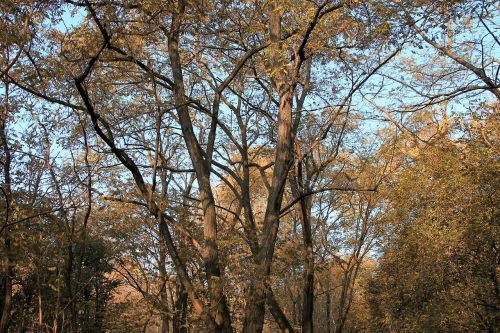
(253, 166)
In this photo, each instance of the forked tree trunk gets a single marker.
(256, 296)
(218, 303)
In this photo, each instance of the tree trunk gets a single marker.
(180, 313)
(328, 311)
(68, 280)
(304, 211)
(308, 276)
(7, 259)
(218, 303)
(256, 296)
(146, 192)
(7, 284)
(277, 313)
(165, 318)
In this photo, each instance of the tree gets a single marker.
(191, 133)
(438, 272)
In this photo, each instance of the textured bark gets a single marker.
(218, 303)
(299, 187)
(256, 296)
(284, 84)
(304, 211)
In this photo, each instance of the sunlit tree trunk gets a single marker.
(219, 308)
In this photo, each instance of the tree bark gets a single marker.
(304, 211)
(256, 296)
(7, 284)
(7, 191)
(180, 314)
(218, 302)
(165, 318)
(277, 313)
(328, 311)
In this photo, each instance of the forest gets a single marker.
(254, 166)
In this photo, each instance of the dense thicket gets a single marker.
(249, 166)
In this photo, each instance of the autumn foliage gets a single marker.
(249, 166)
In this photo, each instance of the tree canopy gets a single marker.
(249, 166)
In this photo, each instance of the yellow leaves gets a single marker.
(54, 288)
(382, 29)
